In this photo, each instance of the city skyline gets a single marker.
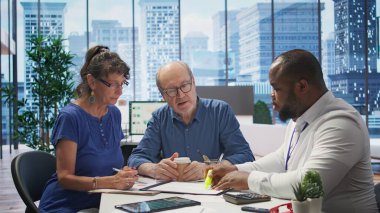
(216, 39)
(158, 36)
(190, 18)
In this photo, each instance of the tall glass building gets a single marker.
(159, 37)
(296, 26)
(355, 48)
(120, 39)
(50, 23)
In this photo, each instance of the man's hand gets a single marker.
(219, 171)
(233, 180)
(194, 171)
(166, 169)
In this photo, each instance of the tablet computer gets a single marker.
(158, 205)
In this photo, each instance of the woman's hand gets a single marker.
(125, 178)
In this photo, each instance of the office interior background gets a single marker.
(225, 42)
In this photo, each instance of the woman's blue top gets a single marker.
(98, 151)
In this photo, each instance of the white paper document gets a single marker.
(142, 182)
(197, 188)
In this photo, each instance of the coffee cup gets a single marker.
(182, 163)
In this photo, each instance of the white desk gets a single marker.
(210, 203)
(131, 140)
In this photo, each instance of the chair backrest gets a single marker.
(30, 172)
(377, 193)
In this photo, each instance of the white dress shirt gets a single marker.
(332, 140)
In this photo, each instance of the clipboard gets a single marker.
(174, 187)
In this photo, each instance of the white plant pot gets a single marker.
(315, 205)
(300, 207)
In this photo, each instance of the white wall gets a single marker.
(375, 148)
(262, 138)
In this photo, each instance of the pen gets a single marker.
(220, 158)
(118, 170)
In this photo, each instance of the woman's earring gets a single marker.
(91, 99)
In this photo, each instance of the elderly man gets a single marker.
(188, 126)
(324, 134)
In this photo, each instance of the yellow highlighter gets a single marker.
(208, 180)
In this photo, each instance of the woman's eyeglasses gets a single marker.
(113, 86)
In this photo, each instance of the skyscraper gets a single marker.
(208, 66)
(219, 29)
(328, 57)
(126, 53)
(296, 26)
(120, 39)
(192, 42)
(350, 37)
(111, 33)
(51, 24)
(78, 47)
(159, 38)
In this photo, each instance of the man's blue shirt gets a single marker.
(214, 130)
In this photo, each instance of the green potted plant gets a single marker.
(300, 203)
(312, 183)
(52, 85)
(308, 193)
(51, 88)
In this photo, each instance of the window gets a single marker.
(236, 49)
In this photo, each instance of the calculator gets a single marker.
(158, 205)
(245, 198)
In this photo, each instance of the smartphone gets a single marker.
(158, 205)
(245, 198)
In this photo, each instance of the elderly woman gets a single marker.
(87, 135)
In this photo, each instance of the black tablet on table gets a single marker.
(158, 205)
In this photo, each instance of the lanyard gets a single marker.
(291, 149)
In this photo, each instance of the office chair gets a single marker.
(30, 172)
(377, 193)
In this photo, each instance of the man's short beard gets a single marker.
(289, 110)
(286, 113)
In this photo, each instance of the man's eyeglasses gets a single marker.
(172, 92)
(113, 86)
